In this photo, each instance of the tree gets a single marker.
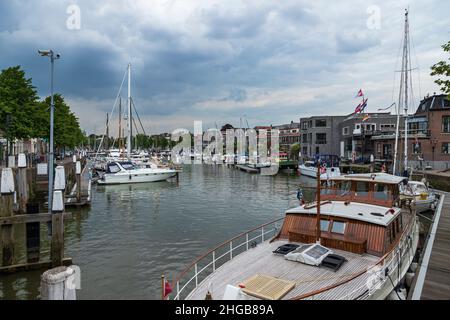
(295, 149)
(67, 132)
(18, 104)
(442, 68)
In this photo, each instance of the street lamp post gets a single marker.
(53, 57)
(434, 142)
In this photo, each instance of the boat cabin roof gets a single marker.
(357, 211)
(380, 177)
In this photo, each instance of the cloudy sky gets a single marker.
(265, 62)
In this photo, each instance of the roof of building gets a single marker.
(434, 102)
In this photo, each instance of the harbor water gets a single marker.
(132, 234)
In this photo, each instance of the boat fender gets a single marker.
(129, 177)
(413, 266)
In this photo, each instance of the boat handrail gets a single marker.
(195, 263)
(396, 248)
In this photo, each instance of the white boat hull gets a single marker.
(312, 172)
(130, 177)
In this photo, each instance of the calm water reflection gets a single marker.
(134, 233)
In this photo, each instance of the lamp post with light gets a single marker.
(53, 57)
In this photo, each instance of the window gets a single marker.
(324, 225)
(304, 138)
(321, 123)
(338, 227)
(317, 150)
(305, 125)
(381, 192)
(345, 131)
(362, 188)
(387, 127)
(416, 147)
(446, 147)
(446, 124)
(321, 138)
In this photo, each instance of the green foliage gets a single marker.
(67, 129)
(23, 116)
(18, 104)
(295, 149)
(442, 68)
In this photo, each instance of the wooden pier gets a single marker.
(433, 275)
(23, 191)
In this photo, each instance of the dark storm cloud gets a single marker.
(215, 60)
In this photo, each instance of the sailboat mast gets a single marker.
(129, 113)
(403, 96)
(120, 126)
(406, 70)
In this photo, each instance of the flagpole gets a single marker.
(163, 287)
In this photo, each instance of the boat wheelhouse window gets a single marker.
(324, 225)
(381, 191)
(362, 188)
(127, 165)
(113, 168)
(338, 227)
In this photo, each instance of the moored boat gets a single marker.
(355, 242)
(127, 172)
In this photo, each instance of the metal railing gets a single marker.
(209, 262)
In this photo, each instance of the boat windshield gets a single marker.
(338, 188)
(419, 188)
(128, 165)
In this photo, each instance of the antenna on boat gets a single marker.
(318, 231)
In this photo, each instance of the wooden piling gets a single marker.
(57, 243)
(22, 183)
(78, 180)
(6, 210)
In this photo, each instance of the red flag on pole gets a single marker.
(359, 94)
(167, 289)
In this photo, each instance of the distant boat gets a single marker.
(424, 199)
(330, 168)
(127, 172)
(132, 167)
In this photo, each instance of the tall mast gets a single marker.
(318, 230)
(120, 126)
(107, 131)
(407, 69)
(129, 113)
(403, 95)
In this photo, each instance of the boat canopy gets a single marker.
(371, 177)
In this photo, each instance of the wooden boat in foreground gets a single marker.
(356, 241)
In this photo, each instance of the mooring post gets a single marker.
(57, 243)
(59, 284)
(22, 183)
(78, 180)
(6, 210)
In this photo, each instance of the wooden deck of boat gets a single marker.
(261, 260)
(436, 264)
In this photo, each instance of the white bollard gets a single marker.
(22, 161)
(11, 161)
(7, 181)
(60, 178)
(59, 284)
